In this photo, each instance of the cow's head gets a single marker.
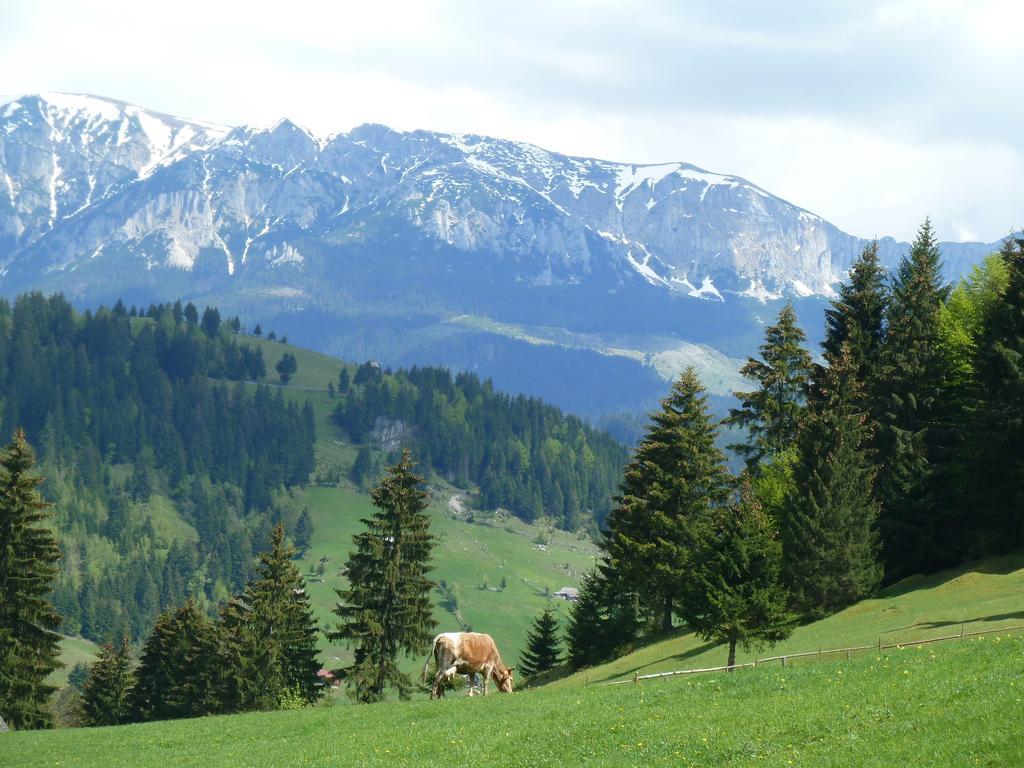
(503, 677)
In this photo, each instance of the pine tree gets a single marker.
(830, 544)
(771, 413)
(386, 609)
(270, 635)
(733, 593)
(106, 695)
(362, 466)
(28, 565)
(178, 673)
(999, 446)
(910, 392)
(543, 646)
(602, 621)
(856, 318)
(303, 530)
(286, 367)
(675, 476)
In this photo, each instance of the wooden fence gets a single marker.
(820, 654)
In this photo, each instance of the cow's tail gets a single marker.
(426, 666)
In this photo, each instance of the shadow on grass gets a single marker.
(993, 617)
(955, 622)
(994, 566)
(675, 657)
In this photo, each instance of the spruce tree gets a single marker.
(106, 695)
(602, 621)
(910, 392)
(28, 565)
(178, 674)
(386, 609)
(675, 476)
(770, 414)
(270, 635)
(286, 367)
(543, 646)
(734, 594)
(998, 450)
(303, 531)
(830, 543)
(856, 317)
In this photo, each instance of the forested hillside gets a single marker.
(522, 454)
(161, 478)
(166, 463)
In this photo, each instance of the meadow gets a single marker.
(944, 705)
(989, 595)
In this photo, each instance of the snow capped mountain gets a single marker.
(62, 153)
(99, 198)
(87, 176)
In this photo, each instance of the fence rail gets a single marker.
(820, 653)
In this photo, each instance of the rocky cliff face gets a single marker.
(90, 178)
(99, 198)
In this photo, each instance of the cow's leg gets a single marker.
(485, 673)
(449, 674)
(438, 691)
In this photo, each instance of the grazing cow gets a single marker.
(467, 653)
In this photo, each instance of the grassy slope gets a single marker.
(937, 706)
(989, 596)
(467, 555)
(73, 650)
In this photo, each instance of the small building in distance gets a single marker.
(568, 593)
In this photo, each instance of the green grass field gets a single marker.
(943, 705)
(989, 596)
(73, 650)
(468, 555)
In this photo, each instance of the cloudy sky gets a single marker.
(872, 114)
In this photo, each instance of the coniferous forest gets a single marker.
(523, 455)
(127, 419)
(900, 453)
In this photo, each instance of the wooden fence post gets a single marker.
(783, 662)
(636, 677)
(961, 631)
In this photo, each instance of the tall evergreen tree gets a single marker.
(999, 447)
(910, 391)
(734, 594)
(675, 476)
(286, 367)
(830, 543)
(603, 620)
(28, 565)
(386, 608)
(856, 317)
(270, 635)
(770, 414)
(106, 695)
(178, 675)
(543, 645)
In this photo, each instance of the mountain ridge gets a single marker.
(373, 240)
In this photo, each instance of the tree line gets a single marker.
(134, 433)
(899, 452)
(523, 455)
(258, 653)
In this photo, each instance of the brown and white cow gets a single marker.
(467, 653)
